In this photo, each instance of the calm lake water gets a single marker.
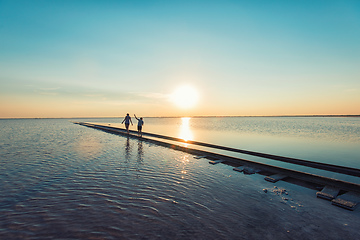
(333, 140)
(64, 181)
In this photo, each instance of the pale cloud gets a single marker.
(152, 95)
(49, 93)
(351, 90)
(49, 89)
(93, 95)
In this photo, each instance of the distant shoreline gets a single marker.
(307, 116)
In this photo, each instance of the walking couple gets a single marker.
(127, 121)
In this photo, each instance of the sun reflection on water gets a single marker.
(184, 161)
(185, 132)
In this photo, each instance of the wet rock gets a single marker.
(265, 190)
(280, 191)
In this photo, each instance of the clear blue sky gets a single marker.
(106, 58)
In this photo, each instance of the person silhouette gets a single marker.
(139, 126)
(127, 121)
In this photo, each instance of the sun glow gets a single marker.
(185, 97)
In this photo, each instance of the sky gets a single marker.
(107, 58)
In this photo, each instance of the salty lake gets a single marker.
(64, 181)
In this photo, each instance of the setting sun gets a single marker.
(185, 97)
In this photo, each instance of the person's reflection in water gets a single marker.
(127, 153)
(140, 157)
(140, 151)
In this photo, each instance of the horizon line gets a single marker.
(210, 116)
